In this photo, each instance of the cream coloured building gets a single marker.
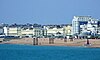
(12, 31)
(38, 32)
(27, 32)
(68, 30)
(22, 32)
(31, 32)
(55, 31)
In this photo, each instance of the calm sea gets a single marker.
(27, 52)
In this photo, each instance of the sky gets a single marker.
(46, 11)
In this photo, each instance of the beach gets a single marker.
(55, 42)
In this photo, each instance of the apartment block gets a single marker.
(86, 24)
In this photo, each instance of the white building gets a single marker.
(82, 24)
(1, 30)
(12, 31)
(31, 32)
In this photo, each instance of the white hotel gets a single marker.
(85, 24)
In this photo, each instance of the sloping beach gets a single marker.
(55, 42)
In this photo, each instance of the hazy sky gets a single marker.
(46, 11)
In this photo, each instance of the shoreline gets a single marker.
(55, 45)
(42, 45)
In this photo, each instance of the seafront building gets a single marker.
(54, 31)
(36, 30)
(57, 31)
(31, 32)
(67, 30)
(85, 25)
(1, 30)
(22, 32)
(81, 25)
(12, 31)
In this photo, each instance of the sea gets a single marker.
(30, 52)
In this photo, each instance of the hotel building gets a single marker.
(22, 32)
(12, 31)
(60, 31)
(85, 24)
(31, 32)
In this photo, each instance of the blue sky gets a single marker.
(46, 11)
